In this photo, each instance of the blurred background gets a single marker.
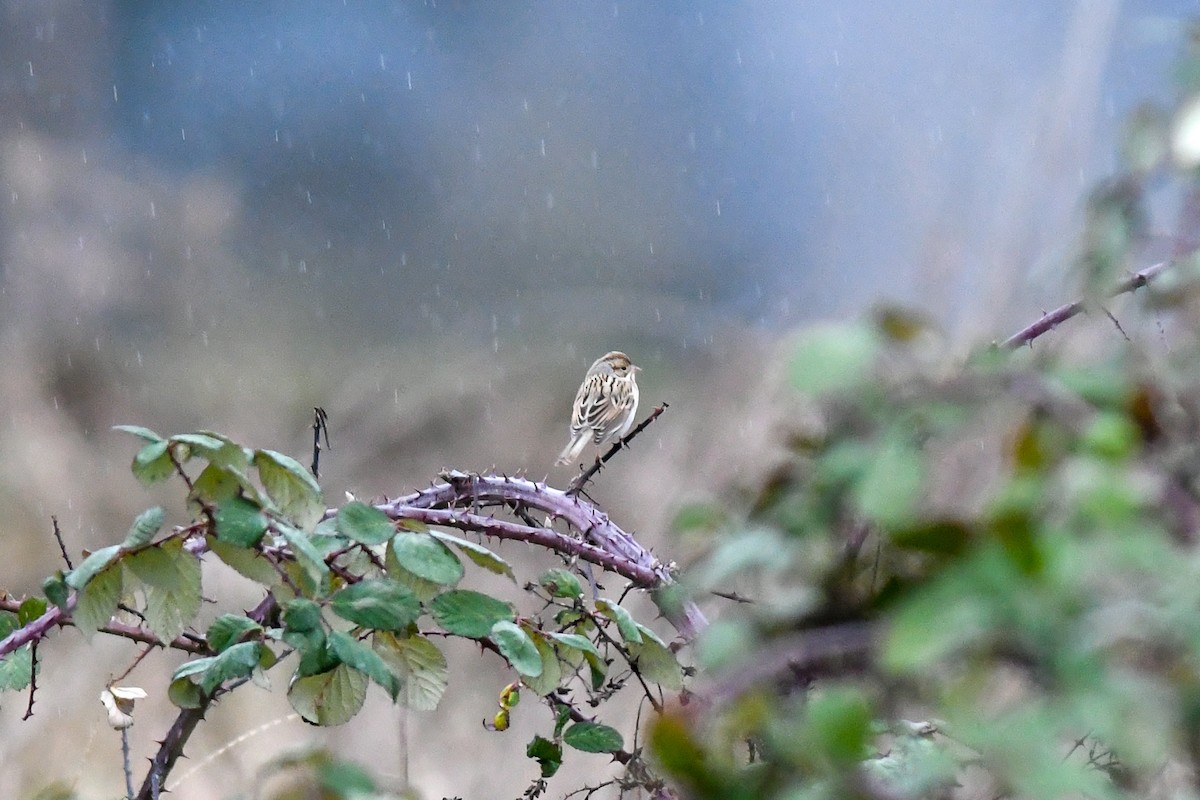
(430, 217)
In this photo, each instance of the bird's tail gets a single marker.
(573, 448)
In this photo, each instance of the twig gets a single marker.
(320, 423)
(62, 547)
(56, 617)
(33, 656)
(1063, 313)
(125, 762)
(585, 476)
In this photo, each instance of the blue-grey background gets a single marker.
(429, 217)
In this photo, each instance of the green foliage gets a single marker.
(357, 596)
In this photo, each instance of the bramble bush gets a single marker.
(965, 580)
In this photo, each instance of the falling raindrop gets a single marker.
(408, 77)
(115, 99)
(153, 212)
(183, 134)
(718, 208)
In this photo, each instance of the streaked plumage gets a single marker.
(604, 405)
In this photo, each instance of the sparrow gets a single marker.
(604, 405)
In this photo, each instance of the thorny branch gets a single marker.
(1053, 319)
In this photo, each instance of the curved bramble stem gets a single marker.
(457, 500)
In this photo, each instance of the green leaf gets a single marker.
(307, 555)
(153, 463)
(625, 623)
(426, 557)
(515, 645)
(551, 676)
(592, 737)
(833, 358)
(184, 694)
(364, 523)
(463, 612)
(575, 641)
(547, 753)
(97, 602)
(560, 583)
(329, 698)
(198, 443)
(55, 588)
(30, 609)
(480, 555)
(841, 721)
(419, 665)
(657, 663)
(237, 661)
(216, 485)
(78, 577)
(144, 528)
(423, 589)
(250, 564)
(290, 487)
(139, 431)
(240, 522)
(301, 615)
(358, 655)
(891, 487)
(16, 669)
(381, 604)
(229, 629)
(171, 580)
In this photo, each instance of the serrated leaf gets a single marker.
(306, 553)
(144, 527)
(250, 564)
(423, 589)
(16, 669)
(515, 645)
(463, 612)
(240, 522)
(139, 431)
(153, 463)
(230, 454)
(229, 629)
(290, 487)
(381, 604)
(184, 694)
(216, 485)
(238, 661)
(575, 641)
(551, 675)
(196, 666)
(301, 615)
(78, 577)
(656, 663)
(97, 602)
(358, 655)
(548, 754)
(560, 583)
(592, 737)
(427, 558)
(598, 670)
(420, 667)
(364, 523)
(171, 580)
(625, 622)
(480, 555)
